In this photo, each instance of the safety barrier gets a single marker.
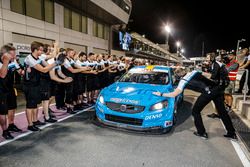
(245, 88)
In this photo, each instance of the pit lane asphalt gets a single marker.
(77, 142)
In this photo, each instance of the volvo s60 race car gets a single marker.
(130, 104)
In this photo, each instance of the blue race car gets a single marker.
(130, 104)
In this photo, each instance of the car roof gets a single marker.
(154, 68)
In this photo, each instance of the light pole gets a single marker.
(168, 30)
(178, 44)
(182, 52)
(238, 44)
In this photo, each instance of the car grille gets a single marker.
(125, 108)
(125, 120)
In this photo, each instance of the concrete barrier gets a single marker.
(246, 109)
(236, 99)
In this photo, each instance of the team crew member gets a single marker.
(5, 58)
(209, 91)
(214, 67)
(13, 68)
(232, 68)
(106, 72)
(56, 74)
(81, 84)
(91, 78)
(45, 84)
(245, 65)
(70, 68)
(112, 68)
(33, 70)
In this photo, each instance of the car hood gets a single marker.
(134, 93)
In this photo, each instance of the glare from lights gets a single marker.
(178, 44)
(167, 28)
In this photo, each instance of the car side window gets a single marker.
(173, 78)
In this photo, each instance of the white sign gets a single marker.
(22, 47)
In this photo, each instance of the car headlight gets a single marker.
(159, 106)
(101, 99)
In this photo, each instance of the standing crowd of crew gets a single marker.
(72, 79)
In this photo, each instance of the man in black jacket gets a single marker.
(210, 91)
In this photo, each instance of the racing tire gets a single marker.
(166, 130)
(175, 118)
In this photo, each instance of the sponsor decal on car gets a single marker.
(119, 100)
(150, 117)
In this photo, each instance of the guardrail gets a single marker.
(245, 85)
(245, 88)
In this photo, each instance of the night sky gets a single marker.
(218, 25)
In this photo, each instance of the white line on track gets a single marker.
(42, 127)
(239, 151)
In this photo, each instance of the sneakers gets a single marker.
(231, 136)
(203, 136)
(39, 123)
(51, 113)
(14, 128)
(78, 108)
(33, 128)
(213, 115)
(62, 108)
(50, 120)
(6, 134)
(238, 92)
(229, 110)
(70, 111)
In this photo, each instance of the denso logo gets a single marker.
(153, 116)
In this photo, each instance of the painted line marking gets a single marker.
(239, 151)
(42, 127)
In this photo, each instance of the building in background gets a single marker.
(144, 48)
(84, 25)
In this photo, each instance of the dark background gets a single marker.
(218, 25)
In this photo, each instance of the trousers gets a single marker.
(217, 96)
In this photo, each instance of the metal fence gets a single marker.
(245, 88)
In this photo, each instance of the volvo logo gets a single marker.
(123, 108)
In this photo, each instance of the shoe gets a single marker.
(14, 128)
(33, 128)
(70, 111)
(203, 136)
(238, 92)
(50, 120)
(39, 123)
(78, 108)
(229, 110)
(6, 134)
(51, 113)
(61, 108)
(213, 115)
(231, 136)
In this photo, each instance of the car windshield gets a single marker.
(159, 78)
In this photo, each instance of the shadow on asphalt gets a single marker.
(60, 131)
